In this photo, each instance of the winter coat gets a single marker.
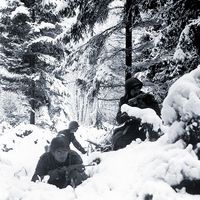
(47, 164)
(124, 135)
(70, 137)
(121, 117)
(142, 100)
(132, 130)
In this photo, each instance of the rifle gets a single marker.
(80, 176)
(95, 144)
(98, 147)
(78, 167)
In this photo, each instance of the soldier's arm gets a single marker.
(78, 146)
(40, 170)
(121, 117)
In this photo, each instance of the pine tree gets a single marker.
(30, 49)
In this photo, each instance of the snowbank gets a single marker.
(182, 103)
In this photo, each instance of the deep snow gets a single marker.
(130, 173)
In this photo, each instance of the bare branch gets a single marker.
(108, 99)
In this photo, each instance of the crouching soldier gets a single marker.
(69, 135)
(131, 127)
(63, 165)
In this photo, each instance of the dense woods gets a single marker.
(65, 68)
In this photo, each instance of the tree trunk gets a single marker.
(128, 21)
(32, 102)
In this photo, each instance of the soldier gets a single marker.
(131, 129)
(62, 165)
(69, 135)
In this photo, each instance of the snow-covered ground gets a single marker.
(141, 171)
(146, 168)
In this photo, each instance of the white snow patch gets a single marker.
(146, 115)
(20, 10)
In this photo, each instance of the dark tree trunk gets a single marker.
(128, 21)
(32, 102)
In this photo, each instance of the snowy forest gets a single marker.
(68, 60)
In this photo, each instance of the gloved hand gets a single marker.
(84, 151)
(133, 102)
(125, 116)
(57, 173)
(54, 175)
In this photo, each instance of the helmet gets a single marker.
(131, 83)
(59, 142)
(73, 124)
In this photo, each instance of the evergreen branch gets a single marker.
(103, 35)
